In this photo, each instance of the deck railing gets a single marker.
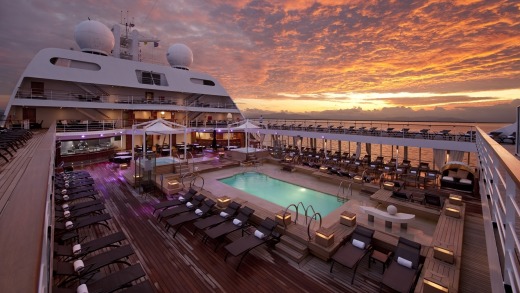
(499, 190)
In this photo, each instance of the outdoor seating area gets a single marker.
(85, 246)
(458, 176)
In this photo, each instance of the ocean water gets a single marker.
(415, 155)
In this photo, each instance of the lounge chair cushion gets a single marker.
(359, 244)
(237, 222)
(448, 178)
(82, 288)
(78, 265)
(465, 181)
(76, 249)
(259, 234)
(404, 262)
(224, 214)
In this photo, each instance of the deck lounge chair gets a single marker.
(60, 198)
(175, 202)
(74, 185)
(61, 228)
(182, 219)
(67, 251)
(70, 215)
(92, 264)
(218, 232)
(227, 214)
(110, 283)
(353, 251)
(81, 205)
(194, 203)
(244, 245)
(404, 268)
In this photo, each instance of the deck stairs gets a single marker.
(293, 243)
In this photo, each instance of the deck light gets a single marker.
(452, 212)
(388, 185)
(443, 254)
(223, 201)
(324, 237)
(123, 166)
(455, 199)
(347, 218)
(433, 287)
(283, 218)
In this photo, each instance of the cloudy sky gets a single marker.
(453, 60)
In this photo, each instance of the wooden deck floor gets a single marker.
(185, 264)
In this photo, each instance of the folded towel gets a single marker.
(448, 178)
(67, 185)
(465, 181)
(181, 198)
(189, 204)
(78, 266)
(64, 191)
(69, 224)
(66, 214)
(199, 212)
(65, 207)
(76, 249)
(224, 214)
(65, 197)
(82, 288)
(404, 262)
(359, 244)
(259, 234)
(237, 222)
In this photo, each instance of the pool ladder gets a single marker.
(343, 191)
(308, 220)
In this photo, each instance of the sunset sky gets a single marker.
(361, 59)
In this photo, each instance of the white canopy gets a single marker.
(245, 125)
(158, 126)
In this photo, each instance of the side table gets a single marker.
(377, 255)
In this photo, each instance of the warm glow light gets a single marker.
(326, 237)
(435, 285)
(350, 218)
(223, 199)
(443, 250)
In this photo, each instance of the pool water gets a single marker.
(283, 193)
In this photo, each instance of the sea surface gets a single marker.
(415, 155)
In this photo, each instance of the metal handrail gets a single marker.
(349, 188)
(310, 222)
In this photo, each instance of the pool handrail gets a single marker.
(310, 222)
(349, 188)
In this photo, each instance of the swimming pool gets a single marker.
(282, 193)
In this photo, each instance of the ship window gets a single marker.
(149, 77)
(70, 63)
(202, 81)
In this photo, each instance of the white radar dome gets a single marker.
(179, 56)
(94, 37)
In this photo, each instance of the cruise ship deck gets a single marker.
(185, 263)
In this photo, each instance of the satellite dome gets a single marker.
(179, 56)
(94, 37)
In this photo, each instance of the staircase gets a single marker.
(292, 248)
